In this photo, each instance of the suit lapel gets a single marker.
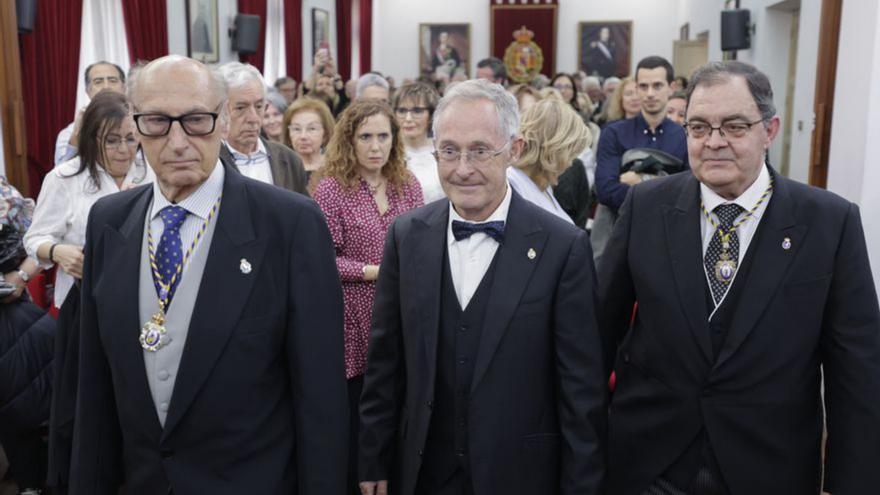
(685, 250)
(122, 261)
(512, 274)
(223, 293)
(770, 262)
(424, 267)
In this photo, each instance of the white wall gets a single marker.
(855, 131)
(396, 26)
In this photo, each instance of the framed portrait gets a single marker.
(445, 49)
(320, 30)
(604, 48)
(202, 38)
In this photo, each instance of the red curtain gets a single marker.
(49, 64)
(538, 18)
(293, 38)
(343, 38)
(146, 29)
(366, 35)
(255, 7)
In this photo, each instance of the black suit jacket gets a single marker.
(809, 306)
(286, 166)
(259, 403)
(537, 403)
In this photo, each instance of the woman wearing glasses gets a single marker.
(365, 186)
(414, 106)
(309, 125)
(105, 164)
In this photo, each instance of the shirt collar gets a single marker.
(500, 213)
(642, 126)
(746, 200)
(253, 157)
(200, 202)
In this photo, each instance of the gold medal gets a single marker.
(154, 336)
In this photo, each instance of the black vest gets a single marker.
(446, 448)
(699, 453)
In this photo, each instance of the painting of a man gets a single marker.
(605, 48)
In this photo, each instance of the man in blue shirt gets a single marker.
(648, 129)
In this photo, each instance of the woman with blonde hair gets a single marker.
(625, 102)
(365, 185)
(307, 128)
(553, 135)
(525, 95)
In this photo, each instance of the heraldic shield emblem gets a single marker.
(523, 58)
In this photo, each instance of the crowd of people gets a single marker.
(444, 287)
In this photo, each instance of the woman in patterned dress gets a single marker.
(365, 185)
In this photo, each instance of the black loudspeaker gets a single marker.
(246, 37)
(735, 32)
(26, 11)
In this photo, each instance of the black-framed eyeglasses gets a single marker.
(159, 124)
(735, 129)
(415, 111)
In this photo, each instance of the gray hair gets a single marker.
(277, 100)
(609, 81)
(505, 104)
(217, 84)
(238, 74)
(714, 73)
(370, 79)
(592, 82)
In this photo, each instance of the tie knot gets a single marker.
(173, 216)
(727, 213)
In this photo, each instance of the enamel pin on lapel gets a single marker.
(786, 244)
(245, 266)
(531, 254)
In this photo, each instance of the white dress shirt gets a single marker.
(421, 162)
(199, 205)
(469, 259)
(256, 165)
(63, 210)
(527, 188)
(747, 200)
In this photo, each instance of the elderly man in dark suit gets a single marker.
(751, 289)
(484, 371)
(244, 148)
(211, 335)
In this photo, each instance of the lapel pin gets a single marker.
(531, 254)
(786, 244)
(245, 266)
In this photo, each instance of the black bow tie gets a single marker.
(463, 230)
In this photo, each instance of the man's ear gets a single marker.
(516, 148)
(772, 126)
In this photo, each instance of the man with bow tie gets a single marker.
(484, 372)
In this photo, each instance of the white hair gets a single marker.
(505, 104)
(367, 80)
(609, 81)
(237, 74)
(591, 82)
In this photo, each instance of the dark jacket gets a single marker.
(573, 193)
(286, 165)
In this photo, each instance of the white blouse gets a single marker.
(526, 188)
(421, 162)
(63, 210)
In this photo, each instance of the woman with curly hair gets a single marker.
(365, 185)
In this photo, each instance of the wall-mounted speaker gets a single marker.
(26, 12)
(246, 36)
(735, 30)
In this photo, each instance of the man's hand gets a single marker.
(70, 258)
(374, 487)
(630, 178)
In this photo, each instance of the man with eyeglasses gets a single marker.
(254, 156)
(99, 76)
(484, 369)
(211, 329)
(751, 289)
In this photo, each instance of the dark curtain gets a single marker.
(146, 29)
(49, 63)
(343, 38)
(366, 35)
(293, 38)
(538, 18)
(255, 7)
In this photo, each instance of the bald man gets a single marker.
(211, 335)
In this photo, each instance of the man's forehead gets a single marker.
(727, 98)
(247, 92)
(174, 101)
(103, 70)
